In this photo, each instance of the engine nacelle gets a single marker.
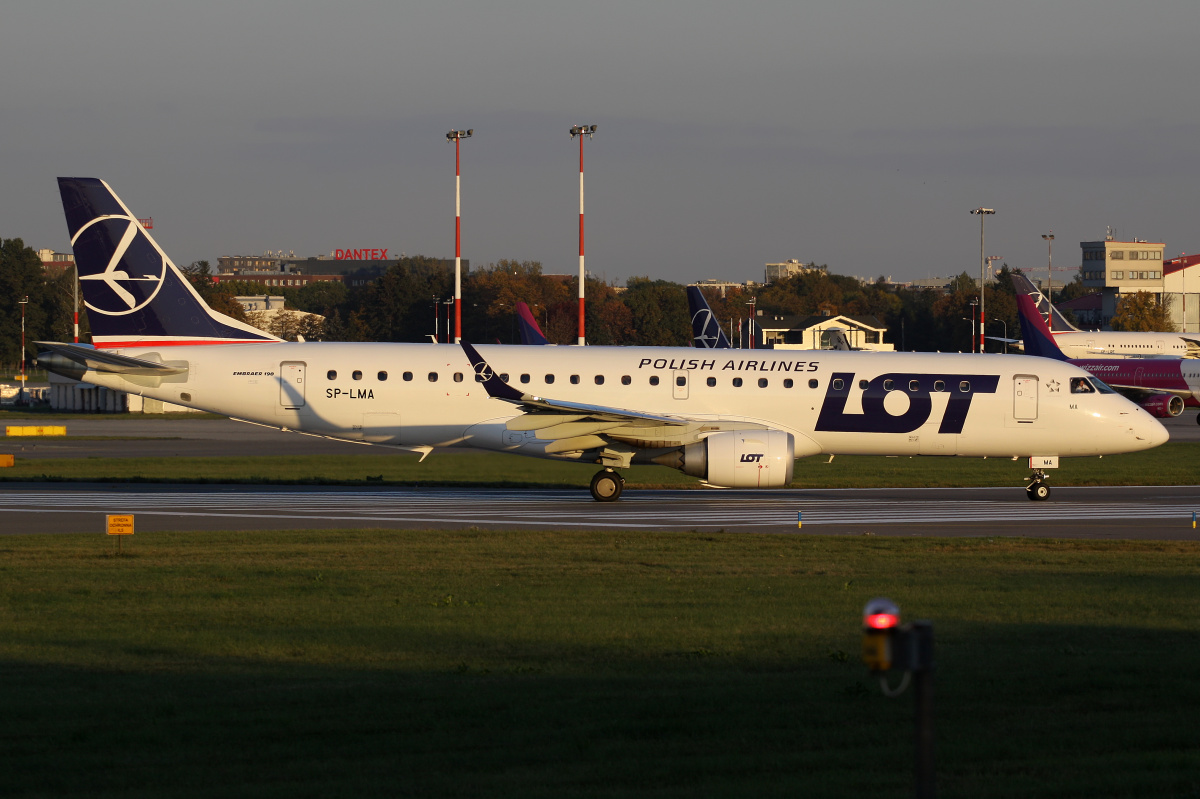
(1163, 406)
(742, 459)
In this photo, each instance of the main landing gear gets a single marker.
(607, 486)
(1037, 490)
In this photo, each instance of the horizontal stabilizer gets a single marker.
(100, 361)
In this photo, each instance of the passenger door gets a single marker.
(291, 384)
(1025, 398)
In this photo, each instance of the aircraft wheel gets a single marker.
(607, 485)
(1037, 491)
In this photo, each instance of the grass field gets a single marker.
(1171, 464)
(519, 664)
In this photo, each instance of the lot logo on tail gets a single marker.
(126, 289)
(875, 418)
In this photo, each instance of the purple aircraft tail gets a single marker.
(1038, 338)
(530, 332)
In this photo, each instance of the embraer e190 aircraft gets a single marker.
(734, 418)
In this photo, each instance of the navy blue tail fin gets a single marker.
(1054, 319)
(1037, 337)
(135, 295)
(706, 331)
(530, 332)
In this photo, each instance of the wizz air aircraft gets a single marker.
(1076, 343)
(733, 418)
(1163, 386)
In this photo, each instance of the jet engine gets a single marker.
(739, 459)
(1163, 406)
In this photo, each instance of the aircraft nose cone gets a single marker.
(1150, 431)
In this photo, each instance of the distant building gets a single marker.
(789, 268)
(1116, 268)
(56, 261)
(723, 285)
(812, 332)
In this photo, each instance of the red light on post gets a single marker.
(881, 621)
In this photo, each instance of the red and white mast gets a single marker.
(581, 131)
(456, 136)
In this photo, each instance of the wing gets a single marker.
(615, 433)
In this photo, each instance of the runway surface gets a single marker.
(1145, 512)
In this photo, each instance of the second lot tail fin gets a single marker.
(706, 330)
(135, 295)
(1038, 338)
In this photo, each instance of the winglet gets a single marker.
(1038, 338)
(492, 383)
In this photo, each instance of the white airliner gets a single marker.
(1076, 343)
(734, 418)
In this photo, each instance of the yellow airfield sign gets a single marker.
(120, 525)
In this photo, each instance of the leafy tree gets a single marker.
(658, 313)
(1141, 311)
(21, 276)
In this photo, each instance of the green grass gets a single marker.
(1171, 464)
(535, 664)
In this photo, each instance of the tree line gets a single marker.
(410, 302)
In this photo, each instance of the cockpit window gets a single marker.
(1082, 385)
(1101, 386)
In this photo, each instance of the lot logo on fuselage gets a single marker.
(875, 418)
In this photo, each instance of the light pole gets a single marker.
(23, 303)
(457, 136)
(973, 318)
(1049, 237)
(753, 315)
(580, 131)
(982, 212)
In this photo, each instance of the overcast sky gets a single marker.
(857, 134)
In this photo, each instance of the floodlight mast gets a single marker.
(580, 131)
(982, 212)
(456, 136)
(1049, 237)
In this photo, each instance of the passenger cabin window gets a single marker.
(626, 380)
(382, 376)
(812, 383)
(356, 374)
(863, 384)
(964, 386)
(458, 377)
(762, 382)
(914, 385)
(681, 380)
(737, 382)
(331, 374)
(549, 379)
(433, 377)
(838, 384)
(787, 382)
(406, 376)
(712, 381)
(574, 380)
(888, 385)
(599, 380)
(654, 380)
(524, 378)
(939, 385)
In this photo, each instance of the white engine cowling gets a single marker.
(742, 459)
(1163, 406)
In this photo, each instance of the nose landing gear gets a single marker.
(607, 486)
(1037, 490)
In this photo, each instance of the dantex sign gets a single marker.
(360, 255)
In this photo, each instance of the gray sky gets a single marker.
(857, 134)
